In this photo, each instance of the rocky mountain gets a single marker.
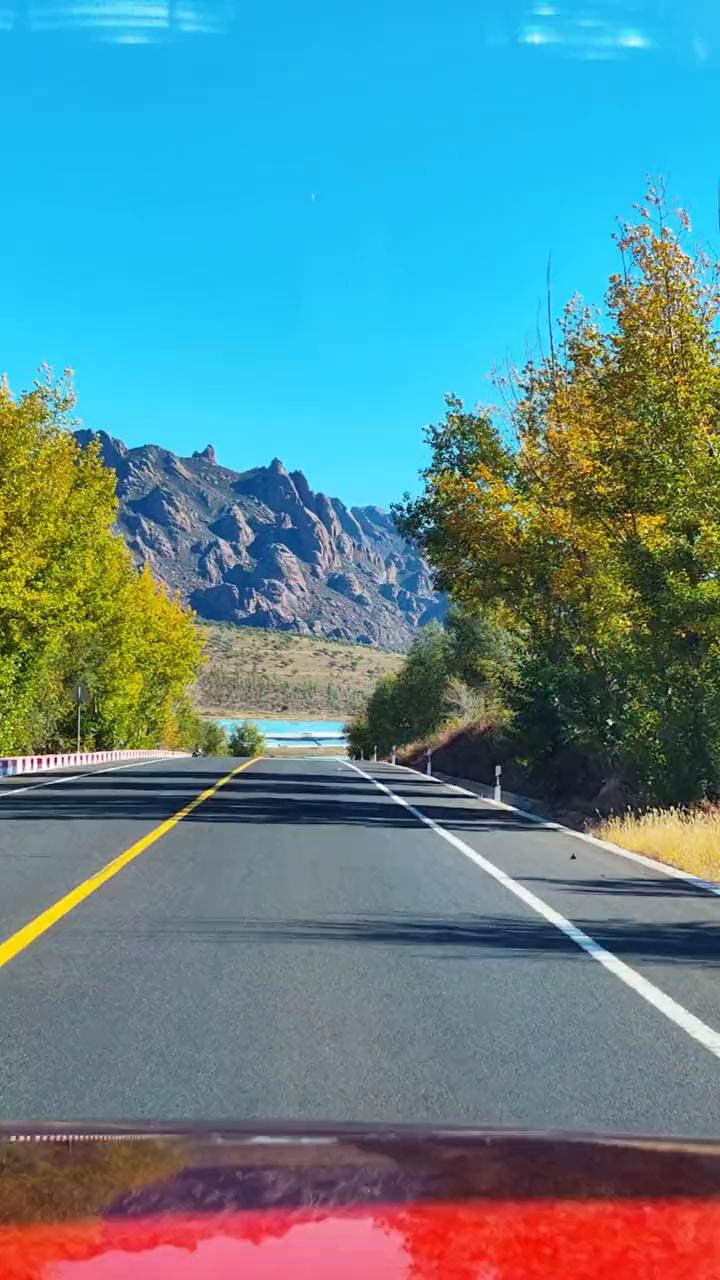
(260, 548)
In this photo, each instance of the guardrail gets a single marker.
(325, 739)
(11, 765)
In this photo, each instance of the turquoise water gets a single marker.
(296, 731)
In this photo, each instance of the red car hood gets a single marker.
(128, 1204)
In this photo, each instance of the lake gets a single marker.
(295, 733)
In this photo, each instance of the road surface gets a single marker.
(301, 945)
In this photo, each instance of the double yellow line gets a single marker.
(17, 942)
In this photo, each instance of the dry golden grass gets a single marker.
(491, 714)
(276, 673)
(438, 738)
(689, 839)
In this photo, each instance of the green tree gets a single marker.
(483, 653)
(412, 703)
(246, 740)
(152, 653)
(357, 732)
(591, 522)
(183, 727)
(214, 740)
(56, 502)
(385, 716)
(422, 682)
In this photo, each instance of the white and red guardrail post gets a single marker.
(12, 765)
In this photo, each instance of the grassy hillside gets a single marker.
(275, 673)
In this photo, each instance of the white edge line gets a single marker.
(73, 777)
(666, 868)
(677, 1013)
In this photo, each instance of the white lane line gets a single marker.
(73, 777)
(675, 1012)
(665, 868)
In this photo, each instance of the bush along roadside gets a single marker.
(247, 740)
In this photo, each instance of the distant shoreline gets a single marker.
(294, 716)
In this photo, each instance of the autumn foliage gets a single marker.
(73, 608)
(586, 513)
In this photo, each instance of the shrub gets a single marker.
(247, 740)
(214, 740)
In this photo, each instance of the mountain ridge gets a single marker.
(262, 548)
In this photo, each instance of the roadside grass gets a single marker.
(410, 751)
(685, 838)
(491, 716)
(277, 673)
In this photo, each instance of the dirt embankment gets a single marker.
(570, 782)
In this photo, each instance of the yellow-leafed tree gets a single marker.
(590, 518)
(73, 608)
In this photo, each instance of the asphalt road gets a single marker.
(302, 946)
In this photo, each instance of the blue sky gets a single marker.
(290, 234)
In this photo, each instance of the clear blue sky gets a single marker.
(292, 236)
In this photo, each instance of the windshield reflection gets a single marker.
(602, 31)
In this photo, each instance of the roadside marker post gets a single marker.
(497, 793)
(375, 755)
(393, 754)
(428, 766)
(80, 697)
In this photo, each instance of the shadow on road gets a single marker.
(265, 796)
(471, 937)
(286, 799)
(625, 886)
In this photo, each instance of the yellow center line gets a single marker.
(17, 942)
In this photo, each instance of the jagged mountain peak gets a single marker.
(261, 548)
